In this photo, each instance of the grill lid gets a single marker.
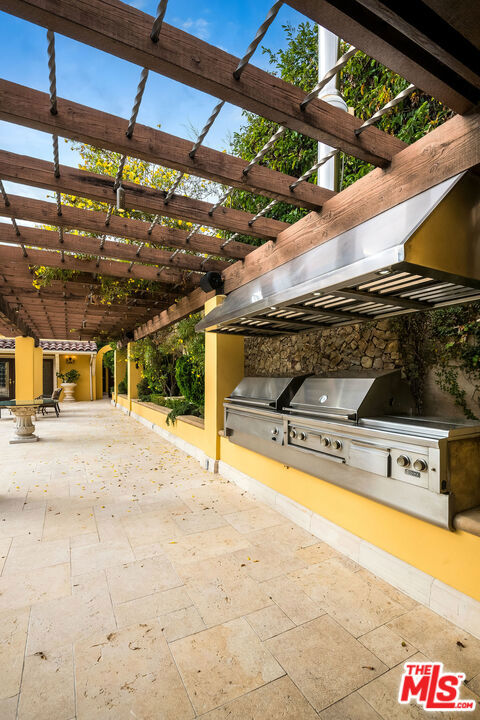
(352, 398)
(268, 392)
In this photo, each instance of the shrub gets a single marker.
(180, 406)
(71, 376)
(143, 390)
(191, 380)
(123, 385)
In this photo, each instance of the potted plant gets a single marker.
(69, 383)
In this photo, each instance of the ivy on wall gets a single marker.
(447, 340)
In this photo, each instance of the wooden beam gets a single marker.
(12, 317)
(30, 108)
(448, 150)
(381, 33)
(124, 31)
(39, 173)
(189, 304)
(94, 221)
(103, 267)
(118, 251)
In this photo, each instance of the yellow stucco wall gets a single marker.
(134, 374)
(99, 372)
(224, 361)
(24, 369)
(184, 430)
(37, 372)
(82, 364)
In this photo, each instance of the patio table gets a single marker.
(24, 412)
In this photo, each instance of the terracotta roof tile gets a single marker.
(55, 345)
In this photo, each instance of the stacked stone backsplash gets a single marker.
(371, 346)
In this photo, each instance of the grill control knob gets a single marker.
(403, 460)
(336, 445)
(302, 436)
(325, 441)
(275, 431)
(293, 433)
(420, 465)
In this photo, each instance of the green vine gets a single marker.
(448, 341)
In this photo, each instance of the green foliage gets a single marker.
(417, 351)
(143, 390)
(180, 406)
(109, 361)
(447, 340)
(457, 333)
(366, 86)
(123, 384)
(157, 360)
(190, 380)
(71, 376)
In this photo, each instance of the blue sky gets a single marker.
(96, 79)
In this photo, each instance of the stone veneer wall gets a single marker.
(369, 346)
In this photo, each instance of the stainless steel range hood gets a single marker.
(421, 254)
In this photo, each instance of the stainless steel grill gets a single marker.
(359, 433)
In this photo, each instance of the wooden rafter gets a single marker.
(12, 318)
(448, 150)
(124, 31)
(110, 268)
(94, 221)
(24, 106)
(48, 239)
(411, 39)
(40, 173)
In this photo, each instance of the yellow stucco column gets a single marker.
(119, 367)
(134, 375)
(37, 372)
(99, 389)
(223, 371)
(28, 369)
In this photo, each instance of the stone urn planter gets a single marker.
(69, 383)
(69, 391)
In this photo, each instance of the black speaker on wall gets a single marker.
(212, 281)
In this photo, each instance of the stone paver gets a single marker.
(133, 584)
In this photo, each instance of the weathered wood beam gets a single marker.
(30, 108)
(39, 173)
(118, 251)
(381, 32)
(448, 150)
(189, 304)
(124, 31)
(94, 221)
(14, 276)
(102, 267)
(11, 316)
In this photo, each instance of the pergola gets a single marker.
(433, 44)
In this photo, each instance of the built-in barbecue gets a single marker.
(360, 433)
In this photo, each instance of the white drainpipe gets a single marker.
(327, 57)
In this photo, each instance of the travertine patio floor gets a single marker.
(135, 585)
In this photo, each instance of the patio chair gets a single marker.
(53, 401)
